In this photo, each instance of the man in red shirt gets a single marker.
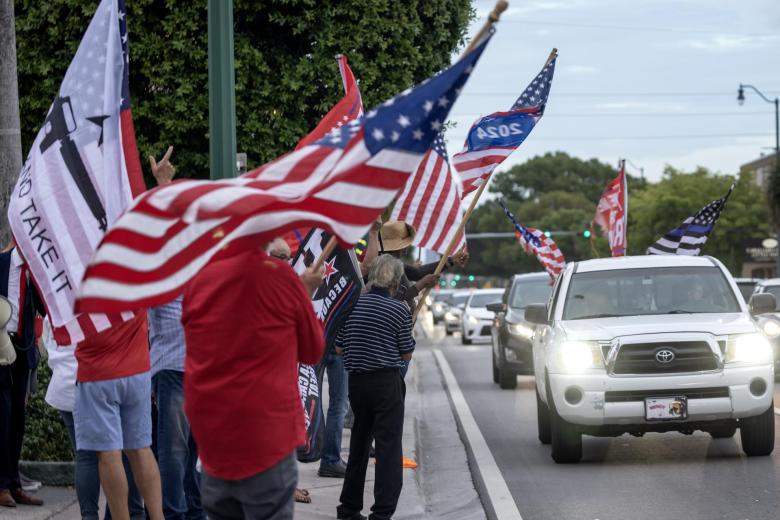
(112, 413)
(248, 322)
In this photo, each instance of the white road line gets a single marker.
(498, 493)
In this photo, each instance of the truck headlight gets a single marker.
(518, 329)
(771, 328)
(749, 348)
(578, 356)
(473, 320)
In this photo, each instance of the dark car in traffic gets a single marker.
(511, 334)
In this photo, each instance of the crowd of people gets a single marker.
(192, 408)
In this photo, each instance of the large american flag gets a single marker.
(612, 212)
(535, 242)
(340, 183)
(81, 173)
(430, 201)
(348, 108)
(493, 138)
(690, 237)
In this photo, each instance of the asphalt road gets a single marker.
(659, 476)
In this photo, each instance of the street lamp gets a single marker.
(741, 101)
(776, 102)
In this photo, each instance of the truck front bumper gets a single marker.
(606, 400)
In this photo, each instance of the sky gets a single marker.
(652, 81)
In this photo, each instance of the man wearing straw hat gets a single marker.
(395, 238)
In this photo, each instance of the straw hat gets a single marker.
(7, 351)
(396, 235)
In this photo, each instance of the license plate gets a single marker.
(666, 408)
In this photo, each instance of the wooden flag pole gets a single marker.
(329, 247)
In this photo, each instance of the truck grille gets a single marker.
(640, 358)
(690, 393)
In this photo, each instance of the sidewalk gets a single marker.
(441, 486)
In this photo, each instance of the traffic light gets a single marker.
(453, 283)
(443, 283)
(547, 234)
(586, 233)
(457, 277)
(471, 278)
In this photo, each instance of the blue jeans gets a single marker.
(177, 453)
(88, 480)
(337, 408)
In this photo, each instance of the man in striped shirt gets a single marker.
(375, 340)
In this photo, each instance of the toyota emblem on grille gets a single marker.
(664, 356)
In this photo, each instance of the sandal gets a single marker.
(302, 496)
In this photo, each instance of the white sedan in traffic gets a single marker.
(476, 321)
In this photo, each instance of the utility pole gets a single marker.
(222, 91)
(10, 135)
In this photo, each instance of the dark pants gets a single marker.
(337, 408)
(176, 450)
(14, 379)
(377, 400)
(88, 480)
(266, 496)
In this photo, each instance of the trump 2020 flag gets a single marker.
(80, 175)
(692, 234)
(333, 301)
(612, 212)
(493, 138)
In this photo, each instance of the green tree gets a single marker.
(286, 77)
(664, 205)
(557, 171)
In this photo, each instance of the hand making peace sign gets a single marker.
(163, 171)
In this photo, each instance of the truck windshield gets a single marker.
(482, 299)
(659, 290)
(526, 293)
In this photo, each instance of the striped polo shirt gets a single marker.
(376, 334)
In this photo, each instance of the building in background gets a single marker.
(761, 169)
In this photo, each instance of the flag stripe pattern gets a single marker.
(612, 212)
(81, 173)
(430, 201)
(535, 242)
(690, 237)
(340, 183)
(492, 138)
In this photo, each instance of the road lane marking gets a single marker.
(497, 491)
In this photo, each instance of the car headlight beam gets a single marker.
(519, 329)
(579, 356)
(752, 349)
(771, 328)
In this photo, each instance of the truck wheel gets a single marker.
(542, 420)
(495, 367)
(507, 380)
(723, 431)
(758, 433)
(566, 440)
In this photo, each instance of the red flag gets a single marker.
(612, 212)
(350, 107)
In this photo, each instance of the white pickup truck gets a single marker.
(651, 344)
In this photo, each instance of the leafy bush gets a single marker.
(45, 437)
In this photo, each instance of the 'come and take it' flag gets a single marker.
(81, 173)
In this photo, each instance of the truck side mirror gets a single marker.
(761, 303)
(537, 313)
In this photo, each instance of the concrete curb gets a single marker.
(49, 473)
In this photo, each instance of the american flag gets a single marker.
(493, 138)
(430, 201)
(537, 243)
(348, 108)
(81, 173)
(341, 183)
(690, 237)
(612, 212)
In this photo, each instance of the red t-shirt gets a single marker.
(248, 322)
(121, 351)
